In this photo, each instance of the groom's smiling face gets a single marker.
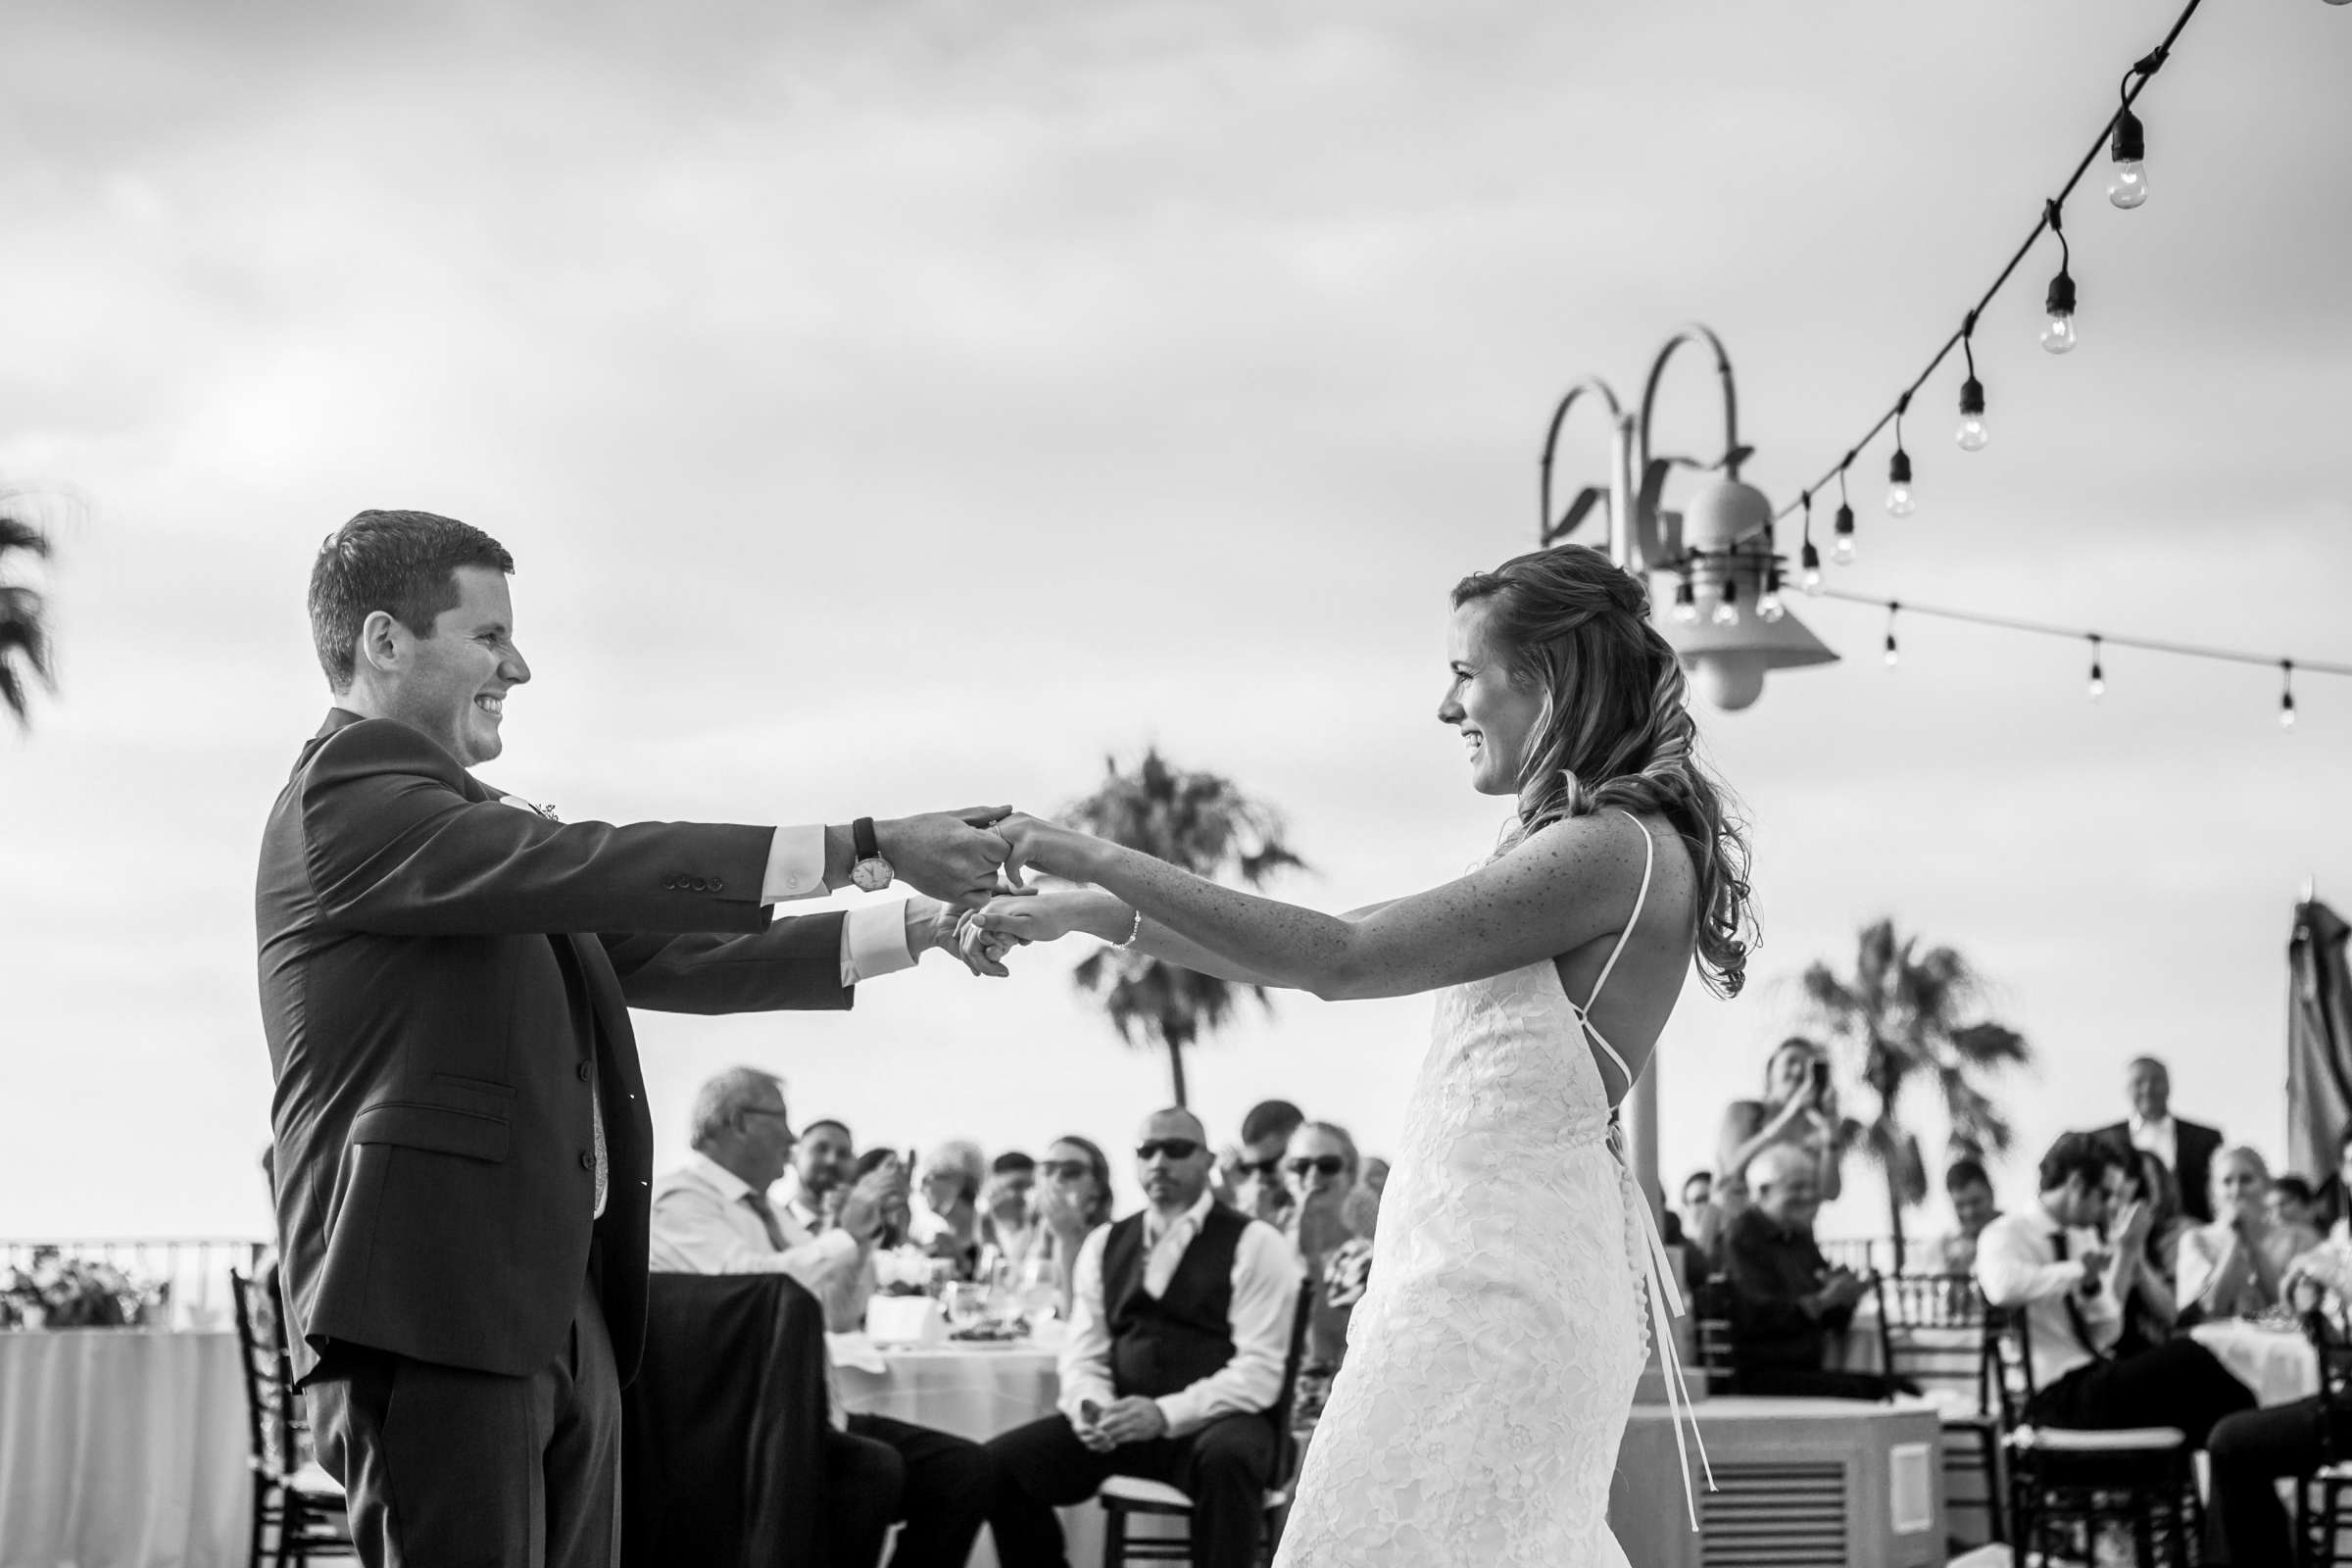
(453, 684)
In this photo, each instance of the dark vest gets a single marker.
(1162, 1345)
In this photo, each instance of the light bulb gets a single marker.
(1726, 612)
(2127, 183)
(1972, 434)
(2058, 332)
(1899, 486)
(1686, 603)
(2098, 684)
(1811, 580)
(1890, 650)
(2286, 712)
(1842, 550)
(1770, 607)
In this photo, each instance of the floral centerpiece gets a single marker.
(59, 1292)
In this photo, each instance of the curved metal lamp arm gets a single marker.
(1545, 531)
(1734, 453)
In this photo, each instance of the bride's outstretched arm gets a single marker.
(1054, 912)
(1570, 883)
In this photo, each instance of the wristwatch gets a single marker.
(869, 871)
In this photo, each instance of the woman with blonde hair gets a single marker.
(2233, 1266)
(1492, 1360)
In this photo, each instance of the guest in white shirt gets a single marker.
(2233, 1266)
(1008, 1228)
(2187, 1148)
(823, 1168)
(711, 1216)
(1176, 1351)
(2049, 1259)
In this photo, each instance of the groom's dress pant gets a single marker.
(1224, 1468)
(448, 1468)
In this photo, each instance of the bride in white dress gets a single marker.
(1492, 1363)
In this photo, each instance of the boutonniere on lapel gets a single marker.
(519, 802)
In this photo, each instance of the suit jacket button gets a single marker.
(669, 884)
(586, 1072)
(702, 886)
(587, 1161)
(717, 885)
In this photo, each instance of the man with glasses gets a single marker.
(1179, 1333)
(711, 1216)
(1259, 1190)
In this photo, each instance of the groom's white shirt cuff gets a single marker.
(874, 938)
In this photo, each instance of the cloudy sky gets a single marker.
(902, 406)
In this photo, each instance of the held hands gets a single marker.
(949, 854)
(1034, 844)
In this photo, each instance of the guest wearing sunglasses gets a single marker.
(1259, 1190)
(1320, 1171)
(1072, 1200)
(1173, 1364)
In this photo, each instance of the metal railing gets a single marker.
(189, 1275)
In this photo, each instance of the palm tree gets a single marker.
(23, 629)
(1198, 822)
(1909, 1014)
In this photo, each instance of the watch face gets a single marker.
(871, 876)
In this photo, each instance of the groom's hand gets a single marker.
(949, 854)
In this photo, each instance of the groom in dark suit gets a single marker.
(463, 1147)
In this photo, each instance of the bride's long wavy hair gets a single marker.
(1615, 729)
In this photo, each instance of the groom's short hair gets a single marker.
(1272, 1118)
(403, 563)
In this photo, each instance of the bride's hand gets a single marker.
(1036, 845)
(1037, 916)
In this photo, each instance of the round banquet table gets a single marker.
(121, 1448)
(2278, 1364)
(975, 1392)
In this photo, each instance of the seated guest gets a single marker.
(711, 1216)
(1702, 1227)
(1073, 1201)
(2293, 1204)
(1007, 1217)
(947, 1222)
(2143, 1206)
(2187, 1148)
(1798, 1110)
(1321, 1171)
(2231, 1266)
(1785, 1300)
(1376, 1175)
(1259, 1190)
(1969, 1191)
(2048, 1259)
(2251, 1452)
(1174, 1360)
(823, 1164)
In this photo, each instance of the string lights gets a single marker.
(2098, 641)
(2124, 140)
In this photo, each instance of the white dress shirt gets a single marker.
(2159, 1138)
(701, 1225)
(1265, 1292)
(2018, 1265)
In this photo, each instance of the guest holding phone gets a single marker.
(1320, 1171)
(1799, 1109)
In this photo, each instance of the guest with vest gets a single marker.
(1180, 1328)
(2051, 1259)
(711, 1216)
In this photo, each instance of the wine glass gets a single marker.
(1039, 1290)
(966, 1304)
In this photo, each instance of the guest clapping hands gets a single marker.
(2232, 1267)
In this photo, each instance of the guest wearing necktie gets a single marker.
(2050, 1259)
(1179, 1333)
(711, 1216)
(2187, 1148)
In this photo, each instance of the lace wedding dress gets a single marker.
(1490, 1365)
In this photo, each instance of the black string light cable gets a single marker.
(2098, 642)
(2125, 140)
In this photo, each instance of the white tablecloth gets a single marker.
(976, 1393)
(121, 1448)
(2278, 1364)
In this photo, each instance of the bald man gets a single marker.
(1180, 1328)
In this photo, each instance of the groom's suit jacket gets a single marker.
(444, 986)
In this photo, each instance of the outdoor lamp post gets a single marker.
(1735, 630)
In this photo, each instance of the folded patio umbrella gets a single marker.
(2319, 1045)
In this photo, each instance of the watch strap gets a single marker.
(863, 846)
